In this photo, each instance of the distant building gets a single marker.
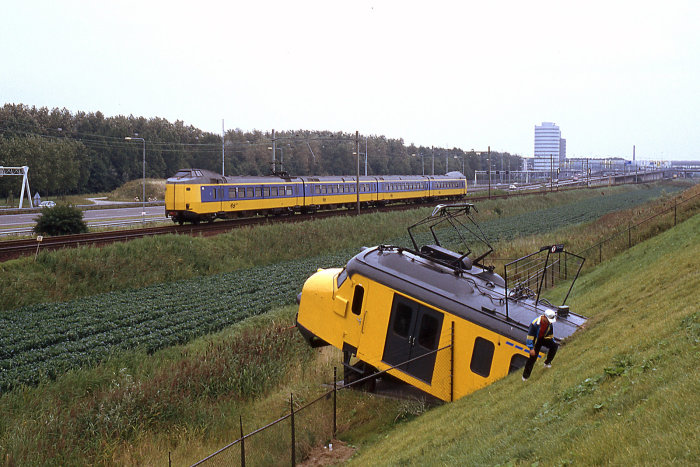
(562, 152)
(548, 147)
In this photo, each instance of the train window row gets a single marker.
(404, 186)
(448, 185)
(258, 192)
(340, 188)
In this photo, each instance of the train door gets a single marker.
(356, 315)
(414, 331)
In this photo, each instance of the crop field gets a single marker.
(39, 342)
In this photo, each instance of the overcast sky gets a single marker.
(465, 74)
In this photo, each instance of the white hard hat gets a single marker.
(551, 315)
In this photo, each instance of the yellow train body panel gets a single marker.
(332, 319)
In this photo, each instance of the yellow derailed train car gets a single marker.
(430, 317)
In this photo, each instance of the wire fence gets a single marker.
(679, 209)
(306, 425)
(310, 424)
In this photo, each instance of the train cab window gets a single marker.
(482, 356)
(341, 277)
(428, 334)
(258, 192)
(357, 297)
(517, 362)
(402, 321)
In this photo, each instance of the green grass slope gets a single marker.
(624, 391)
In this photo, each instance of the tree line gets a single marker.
(87, 153)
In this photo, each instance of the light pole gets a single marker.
(457, 157)
(488, 155)
(143, 196)
(281, 150)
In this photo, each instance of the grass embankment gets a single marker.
(623, 391)
(619, 390)
(68, 274)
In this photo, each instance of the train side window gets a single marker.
(517, 362)
(273, 191)
(402, 321)
(266, 192)
(213, 192)
(324, 190)
(231, 193)
(258, 192)
(357, 298)
(427, 336)
(289, 191)
(482, 356)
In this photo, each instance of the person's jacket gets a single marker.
(534, 332)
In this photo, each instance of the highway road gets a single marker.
(23, 223)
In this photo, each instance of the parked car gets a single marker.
(47, 204)
(512, 187)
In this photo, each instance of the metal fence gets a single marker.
(679, 208)
(310, 424)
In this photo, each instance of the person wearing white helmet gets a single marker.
(541, 333)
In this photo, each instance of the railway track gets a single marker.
(18, 248)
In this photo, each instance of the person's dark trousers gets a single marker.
(551, 345)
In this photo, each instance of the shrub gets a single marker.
(60, 220)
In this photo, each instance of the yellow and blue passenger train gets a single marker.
(196, 195)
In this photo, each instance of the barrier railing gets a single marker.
(307, 426)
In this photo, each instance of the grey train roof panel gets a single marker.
(472, 295)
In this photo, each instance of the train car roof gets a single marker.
(395, 178)
(448, 175)
(474, 295)
(208, 177)
(336, 179)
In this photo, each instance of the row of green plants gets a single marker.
(41, 341)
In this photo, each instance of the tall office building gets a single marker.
(547, 147)
(562, 152)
